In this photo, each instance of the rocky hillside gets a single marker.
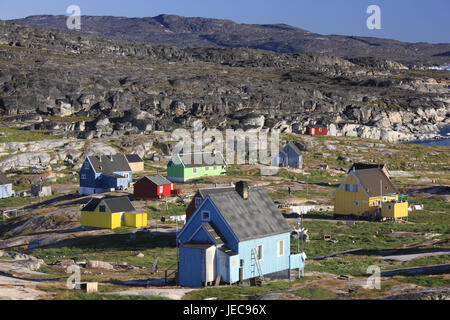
(201, 32)
(85, 86)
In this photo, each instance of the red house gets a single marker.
(317, 131)
(154, 187)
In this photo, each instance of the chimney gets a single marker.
(242, 189)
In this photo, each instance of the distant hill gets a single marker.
(186, 32)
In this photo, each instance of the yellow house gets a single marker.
(111, 213)
(368, 193)
(135, 162)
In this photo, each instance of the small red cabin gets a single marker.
(154, 187)
(317, 131)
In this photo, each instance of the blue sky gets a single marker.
(406, 20)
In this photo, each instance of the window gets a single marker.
(205, 216)
(206, 168)
(355, 188)
(161, 189)
(347, 187)
(280, 248)
(86, 165)
(356, 203)
(384, 199)
(390, 207)
(198, 201)
(171, 186)
(194, 170)
(223, 167)
(83, 177)
(259, 252)
(102, 208)
(126, 175)
(215, 168)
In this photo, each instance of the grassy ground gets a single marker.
(17, 135)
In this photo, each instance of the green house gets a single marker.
(189, 166)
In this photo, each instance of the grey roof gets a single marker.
(362, 166)
(109, 164)
(158, 180)
(204, 192)
(92, 204)
(116, 204)
(202, 159)
(132, 158)
(370, 180)
(254, 218)
(213, 232)
(3, 179)
(297, 147)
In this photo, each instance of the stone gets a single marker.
(93, 264)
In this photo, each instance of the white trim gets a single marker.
(356, 178)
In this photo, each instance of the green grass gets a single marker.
(116, 248)
(21, 201)
(70, 119)
(427, 281)
(18, 135)
(238, 293)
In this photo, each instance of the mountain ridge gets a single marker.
(198, 32)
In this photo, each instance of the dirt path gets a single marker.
(174, 294)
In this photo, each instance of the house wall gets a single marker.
(6, 191)
(175, 172)
(136, 220)
(136, 166)
(271, 262)
(191, 207)
(191, 267)
(202, 172)
(144, 189)
(92, 182)
(344, 202)
(394, 210)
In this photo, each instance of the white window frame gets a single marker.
(349, 187)
(83, 177)
(280, 245)
(260, 252)
(171, 186)
(203, 216)
(161, 189)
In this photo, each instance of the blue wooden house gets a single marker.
(290, 156)
(6, 190)
(104, 173)
(238, 234)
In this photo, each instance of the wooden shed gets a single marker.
(154, 187)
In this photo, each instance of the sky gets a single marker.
(405, 20)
